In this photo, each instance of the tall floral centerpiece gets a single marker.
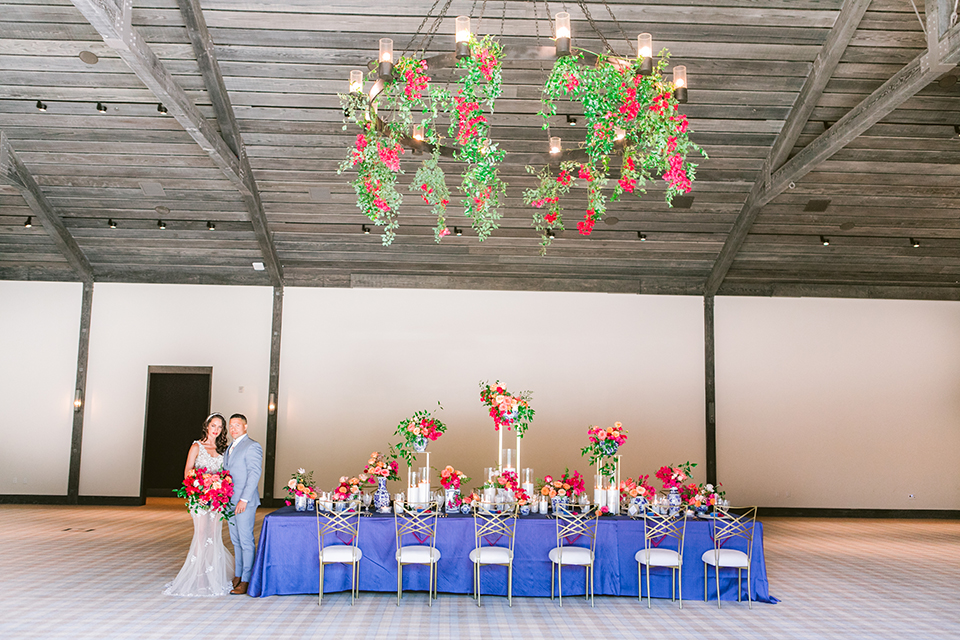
(604, 444)
(510, 411)
(208, 490)
(417, 432)
(300, 489)
(379, 469)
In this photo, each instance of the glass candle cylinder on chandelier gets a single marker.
(563, 34)
(356, 81)
(555, 147)
(463, 37)
(645, 53)
(385, 68)
(680, 83)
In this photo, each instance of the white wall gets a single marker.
(39, 336)
(135, 326)
(354, 362)
(839, 403)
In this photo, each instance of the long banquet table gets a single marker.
(287, 560)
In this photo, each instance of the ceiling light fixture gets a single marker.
(914, 243)
(824, 241)
(211, 226)
(111, 223)
(28, 223)
(101, 108)
(365, 229)
(41, 106)
(161, 224)
(161, 108)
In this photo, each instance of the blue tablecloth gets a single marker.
(287, 560)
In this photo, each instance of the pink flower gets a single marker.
(443, 233)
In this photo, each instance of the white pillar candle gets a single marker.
(613, 500)
(528, 489)
(543, 507)
(489, 495)
(599, 497)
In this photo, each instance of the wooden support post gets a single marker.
(83, 351)
(273, 388)
(710, 391)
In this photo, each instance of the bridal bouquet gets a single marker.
(506, 409)
(417, 432)
(206, 490)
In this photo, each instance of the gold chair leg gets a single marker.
(649, 606)
(706, 570)
(399, 581)
(479, 585)
(553, 566)
(591, 584)
(739, 584)
(673, 585)
(680, 584)
(716, 572)
(320, 602)
(560, 583)
(749, 596)
(430, 586)
(510, 583)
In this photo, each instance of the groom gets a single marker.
(243, 459)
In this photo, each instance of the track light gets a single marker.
(824, 241)
(28, 223)
(161, 108)
(914, 243)
(551, 234)
(41, 106)
(365, 229)
(101, 108)
(642, 236)
(211, 226)
(458, 231)
(571, 120)
(111, 223)
(161, 224)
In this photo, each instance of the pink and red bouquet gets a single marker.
(566, 485)
(707, 495)
(604, 443)
(639, 489)
(451, 478)
(673, 477)
(507, 410)
(378, 466)
(417, 431)
(508, 480)
(348, 489)
(206, 490)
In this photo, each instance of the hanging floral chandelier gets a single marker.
(630, 109)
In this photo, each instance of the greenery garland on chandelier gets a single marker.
(629, 108)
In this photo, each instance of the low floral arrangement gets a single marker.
(508, 480)
(507, 410)
(300, 484)
(630, 489)
(604, 443)
(451, 478)
(206, 490)
(673, 476)
(378, 466)
(707, 495)
(348, 489)
(567, 485)
(417, 431)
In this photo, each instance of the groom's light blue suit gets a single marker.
(244, 463)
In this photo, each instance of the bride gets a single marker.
(208, 568)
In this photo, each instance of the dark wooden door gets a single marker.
(177, 404)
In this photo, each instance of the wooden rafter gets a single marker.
(13, 172)
(823, 67)
(112, 22)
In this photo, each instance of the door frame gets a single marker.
(151, 369)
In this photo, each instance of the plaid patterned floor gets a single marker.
(97, 572)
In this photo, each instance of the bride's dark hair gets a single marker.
(222, 437)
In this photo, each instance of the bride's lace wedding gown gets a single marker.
(208, 569)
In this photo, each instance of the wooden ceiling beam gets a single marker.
(14, 173)
(916, 75)
(113, 23)
(824, 66)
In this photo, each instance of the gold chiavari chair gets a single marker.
(417, 523)
(332, 529)
(731, 524)
(571, 528)
(657, 530)
(490, 528)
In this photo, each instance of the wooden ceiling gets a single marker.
(795, 101)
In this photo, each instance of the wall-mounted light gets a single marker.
(458, 231)
(563, 34)
(463, 37)
(824, 241)
(555, 147)
(551, 234)
(77, 400)
(28, 223)
(571, 120)
(914, 243)
(41, 106)
(211, 226)
(161, 225)
(101, 108)
(365, 229)
(272, 404)
(258, 266)
(956, 129)
(642, 236)
(356, 81)
(111, 223)
(680, 83)
(161, 109)
(385, 69)
(645, 53)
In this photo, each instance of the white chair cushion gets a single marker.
(571, 555)
(340, 553)
(658, 557)
(491, 555)
(728, 558)
(418, 554)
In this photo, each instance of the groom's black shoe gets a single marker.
(236, 581)
(240, 589)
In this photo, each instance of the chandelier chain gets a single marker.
(420, 28)
(436, 24)
(536, 22)
(619, 26)
(593, 24)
